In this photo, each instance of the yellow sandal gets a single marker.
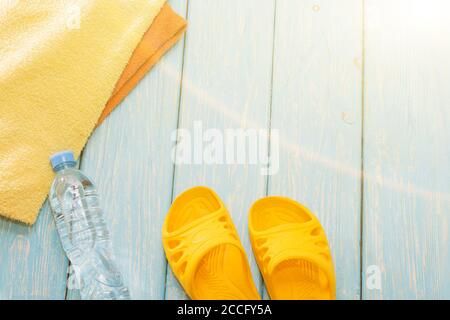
(203, 248)
(291, 250)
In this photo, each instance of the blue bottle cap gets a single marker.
(64, 157)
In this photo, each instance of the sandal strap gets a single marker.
(187, 248)
(292, 241)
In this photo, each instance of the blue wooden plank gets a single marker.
(316, 110)
(32, 262)
(226, 85)
(129, 158)
(407, 149)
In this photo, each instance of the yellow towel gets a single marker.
(59, 63)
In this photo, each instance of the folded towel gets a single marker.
(165, 31)
(56, 77)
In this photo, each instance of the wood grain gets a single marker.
(226, 85)
(407, 148)
(316, 110)
(32, 262)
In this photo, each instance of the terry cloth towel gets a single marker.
(165, 31)
(59, 64)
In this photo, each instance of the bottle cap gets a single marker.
(64, 157)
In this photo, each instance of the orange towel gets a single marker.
(165, 31)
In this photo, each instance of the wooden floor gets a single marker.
(359, 94)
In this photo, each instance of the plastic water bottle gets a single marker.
(83, 232)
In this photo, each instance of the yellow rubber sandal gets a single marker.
(291, 250)
(203, 248)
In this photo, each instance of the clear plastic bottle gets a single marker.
(83, 232)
